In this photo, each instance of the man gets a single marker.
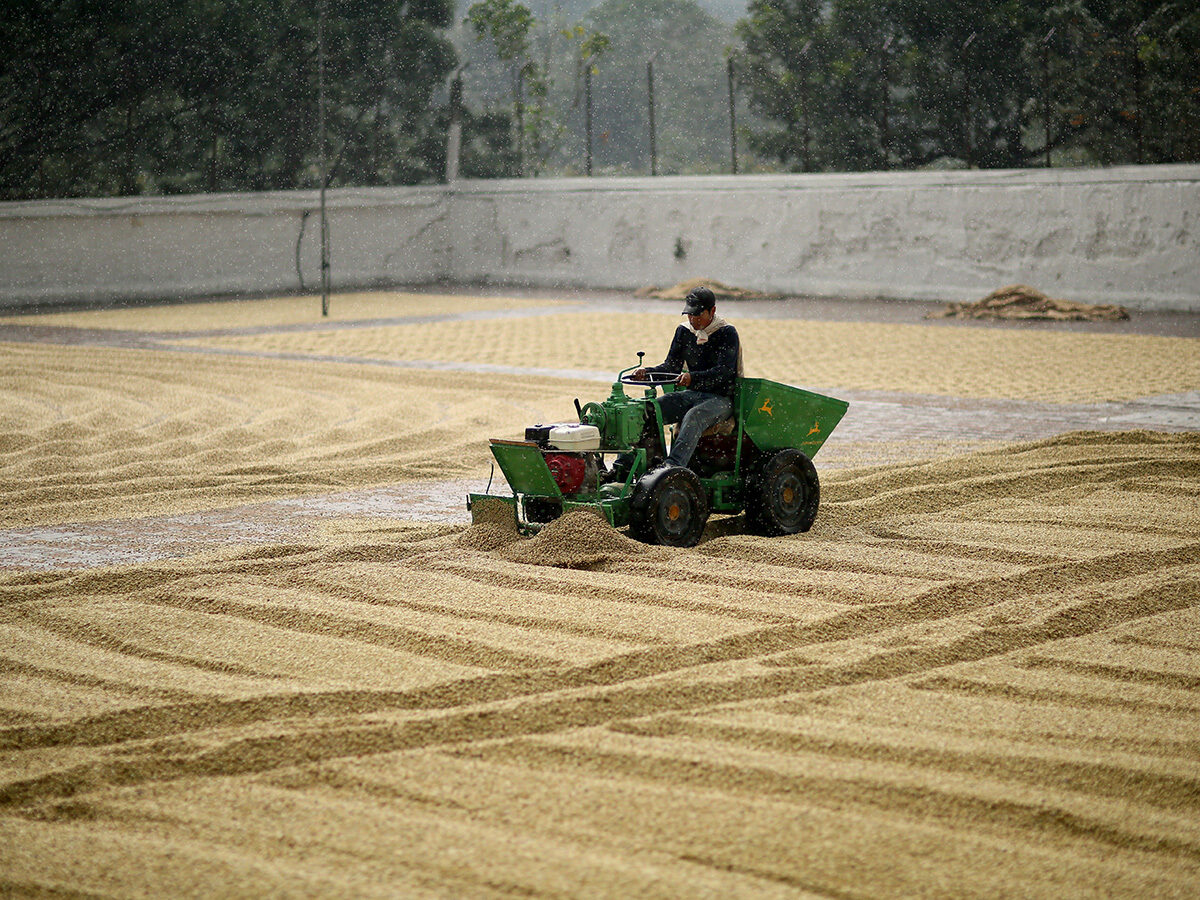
(709, 348)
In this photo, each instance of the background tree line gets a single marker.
(865, 84)
(614, 39)
(142, 97)
(147, 96)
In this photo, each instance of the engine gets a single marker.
(571, 454)
(569, 471)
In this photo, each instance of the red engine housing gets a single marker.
(568, 469)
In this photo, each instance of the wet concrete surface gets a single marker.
(828, 309)
(295, 520)
(1165, 323)
(885, 426)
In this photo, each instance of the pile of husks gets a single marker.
(1019, 301)
(720, 291)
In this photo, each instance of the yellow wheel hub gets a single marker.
(673, 512)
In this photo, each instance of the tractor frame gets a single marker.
(762, 465)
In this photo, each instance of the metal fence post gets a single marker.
(1046, 90)
(732, 119)
(587, 89)
(587, 94)
(650, 104)
(521, 122)
(324, 176)
(454, 132)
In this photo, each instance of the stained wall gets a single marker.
(1127, 235)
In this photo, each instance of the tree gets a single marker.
(971, 79)
(687, 46)
(868, 71)
(1136, 94)
(509, 24)
(788, 47)
(77, 98)
(883, 83)
(142, 97)
(591, 46)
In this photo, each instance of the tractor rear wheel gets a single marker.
(669, 507)
(782, 495)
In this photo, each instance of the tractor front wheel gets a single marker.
(669, 507)
(783, 494)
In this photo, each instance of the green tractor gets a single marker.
(759, 461)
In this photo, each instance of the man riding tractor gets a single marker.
(710, 349)
(744, 445)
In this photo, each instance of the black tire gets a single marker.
(782, 495)
(669, 507)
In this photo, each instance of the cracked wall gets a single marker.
(69, 251)
(1126, 235)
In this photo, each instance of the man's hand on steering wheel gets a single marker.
(685, 379)
(649, 378)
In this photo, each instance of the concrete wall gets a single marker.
(1126, 235)
(1129, 235)
(143, 248)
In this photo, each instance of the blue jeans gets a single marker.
(696, 411)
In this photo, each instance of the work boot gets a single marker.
(655, 451)
(617, 474)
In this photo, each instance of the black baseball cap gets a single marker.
(698, 300)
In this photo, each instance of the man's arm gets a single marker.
(673, 364)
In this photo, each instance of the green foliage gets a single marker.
(509, 25)
(687, 46)
(970, 79)
(592, 45)
(881, 83)
(98, 98)
(788, 51)
(140, 97)
(486, 150)
(1138, 96)
(614, 41)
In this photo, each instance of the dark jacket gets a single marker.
(713, 364)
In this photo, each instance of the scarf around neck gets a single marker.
(702, 334)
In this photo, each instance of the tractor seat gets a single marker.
(722, 429)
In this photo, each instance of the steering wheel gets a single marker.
(652, 379)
